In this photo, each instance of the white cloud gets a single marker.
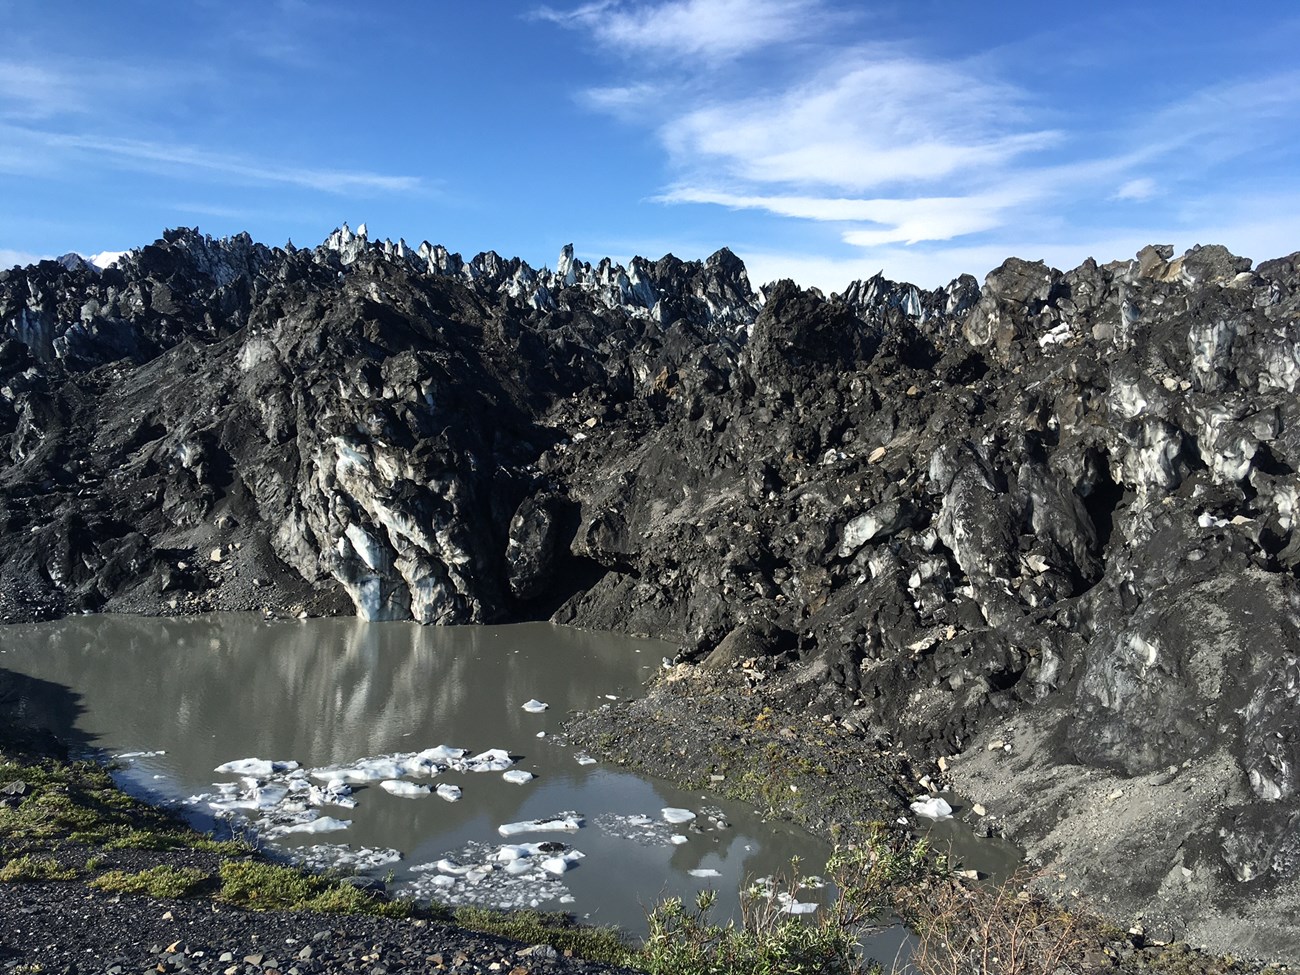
(907, 221)
(866, 121)
(182, 159)
(36, 90)
(10, 258)
(681, 29)
(1137, 190)
(628, 100)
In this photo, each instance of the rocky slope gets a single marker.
(1057, 510)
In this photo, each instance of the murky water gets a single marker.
(196, 693)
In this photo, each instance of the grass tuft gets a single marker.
(28, 868)
(269, 886)
(557, 930)
(159, 881)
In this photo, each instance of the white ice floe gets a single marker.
(336, 792)
(366, 770)
(492, 760)
(261, 767)
(323, 824)
(518, 776)
(677, 839)
(139, 754)
(443, 755)
(407, 790)
(676, 816)
(269, 796)
(582, 758)
(449, 792)
(516, 875)
(798, 907)
(932, 807)
(324, 856)
(561, 864)
(534, 706)
(704, 872)
(564, 822)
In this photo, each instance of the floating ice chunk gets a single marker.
(139, 754)
(518, 776)
(324, 856)
(419, 765)
(514, 851)
(704, 872)
(325, 824)
(541, 734)
(408, 790)
(336, 792)
(534, 706)
(564, 862)
(932, 807)
(442, 754)
(677, 816)
(452, 868)
(798, 907)
(582, 758)
(260, 767)
(366, 770)
(568, 823)
(449, 792)
(269, 796)
(677, 839)
(492, 760)
(231, 805)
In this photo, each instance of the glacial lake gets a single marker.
(358, 704)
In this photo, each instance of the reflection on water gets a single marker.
(204, 691)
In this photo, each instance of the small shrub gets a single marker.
(993, 931)
(770, 941)
(268, 886)
(557, 930)
(28, 867)
(159, 881)
(683, 942)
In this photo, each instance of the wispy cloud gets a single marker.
(186, 160)
(11, 258)
(1142, 188)
(34, 89)
(866, 121)
(681, 29)
(906, 221)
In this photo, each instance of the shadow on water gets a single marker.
(39, 717)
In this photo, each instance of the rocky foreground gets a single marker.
(1043, 529)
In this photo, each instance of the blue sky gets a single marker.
(819, 140)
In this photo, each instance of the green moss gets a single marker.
(558, 930)
(268, 886)
(159, 881)
(78, 803)
(27, 868)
